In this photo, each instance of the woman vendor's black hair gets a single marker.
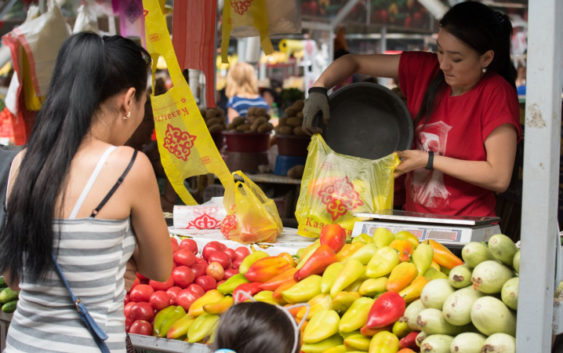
(483, 29)
(89, 69)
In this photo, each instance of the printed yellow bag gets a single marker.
(335, 186)
(238, 13)
(184, 142)
(251, 216)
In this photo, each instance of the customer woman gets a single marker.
(77, 193)
(465, 110)
(242, 91)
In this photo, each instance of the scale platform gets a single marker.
(452, 231)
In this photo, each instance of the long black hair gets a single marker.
(89, 69)
(483, 29)
(255, 327)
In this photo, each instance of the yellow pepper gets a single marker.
(342, 301)
(322, 325)
(352, 270)
(180, 327)
(329, 276)
(356, 316)
(372, 286)
(422, 257)
(382, 237)
(413, 291)
(357, 341)
(203, 326)
(401, 276)
(211, 296)
(383, 262)
(384, 342)
(304, 290)
(322, 346)
(365, 253)
(250, 259)
(220, 306)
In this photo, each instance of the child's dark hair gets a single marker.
(89, 69)
(256, 327)
(483, 29)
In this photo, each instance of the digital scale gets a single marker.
(452, 231)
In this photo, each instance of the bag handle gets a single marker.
(97, 333)
(250, 185)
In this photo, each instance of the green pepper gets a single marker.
(169, 319)
(232, 283)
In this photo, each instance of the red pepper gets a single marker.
(386, 309)
(409, 341)
(275, 282)
(251, 288)
(266, 268)
(334, 236)
(316, 264)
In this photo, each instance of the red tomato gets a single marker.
(141, 277)
(174, 243)
(135, 282)
(206, 282)
(215, 270)
(162, 285)
(220, 257)
(127, 309)
(142, 311)
(231, 253)
(199, 269)
(173, 294)
(126, 300)
(141, 293)
(128, 322)
(212, 246)
(196, 289)
(230, 273)
(236, 264)
(189, 244)
(241, 252)
(141, 327)
(182, 276)
(160, 300)
(186, 298)
(184, 257)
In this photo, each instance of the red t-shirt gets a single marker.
(457, 128)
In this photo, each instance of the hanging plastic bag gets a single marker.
(185, 145)
(245, 13)
(335, 186)
(251, 216)
(283, 17)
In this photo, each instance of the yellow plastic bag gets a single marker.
(245, 13)
(335, 186)
(251, 216)
(184, 142)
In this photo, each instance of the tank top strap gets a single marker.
(91, 181)
(96, 210)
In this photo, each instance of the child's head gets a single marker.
(256, 327)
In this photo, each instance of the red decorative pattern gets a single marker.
(228, 225)
(241, 6)
(178, 142)
(340, 197)
(204, 221)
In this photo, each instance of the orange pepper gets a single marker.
(267, 268)
(443, 256)
(275, 281)
(413, 291)
(285, 285)
(348, 249)
(368, 332)
(404, 247)
(316, 263)
(401, 276)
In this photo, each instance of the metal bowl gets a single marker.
(367, 120)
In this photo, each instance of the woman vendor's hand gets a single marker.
(316, 103)
(410, 160)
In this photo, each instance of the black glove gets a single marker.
(315, 103)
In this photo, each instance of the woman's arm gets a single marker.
(154, 255)
(493, 174)
(376, 65)
(231, 114)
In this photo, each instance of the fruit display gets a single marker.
(8, 297)
(384, 293)
(291, 123)
(256, 120)
(214, 119)
(152, 307)
(473, 310)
